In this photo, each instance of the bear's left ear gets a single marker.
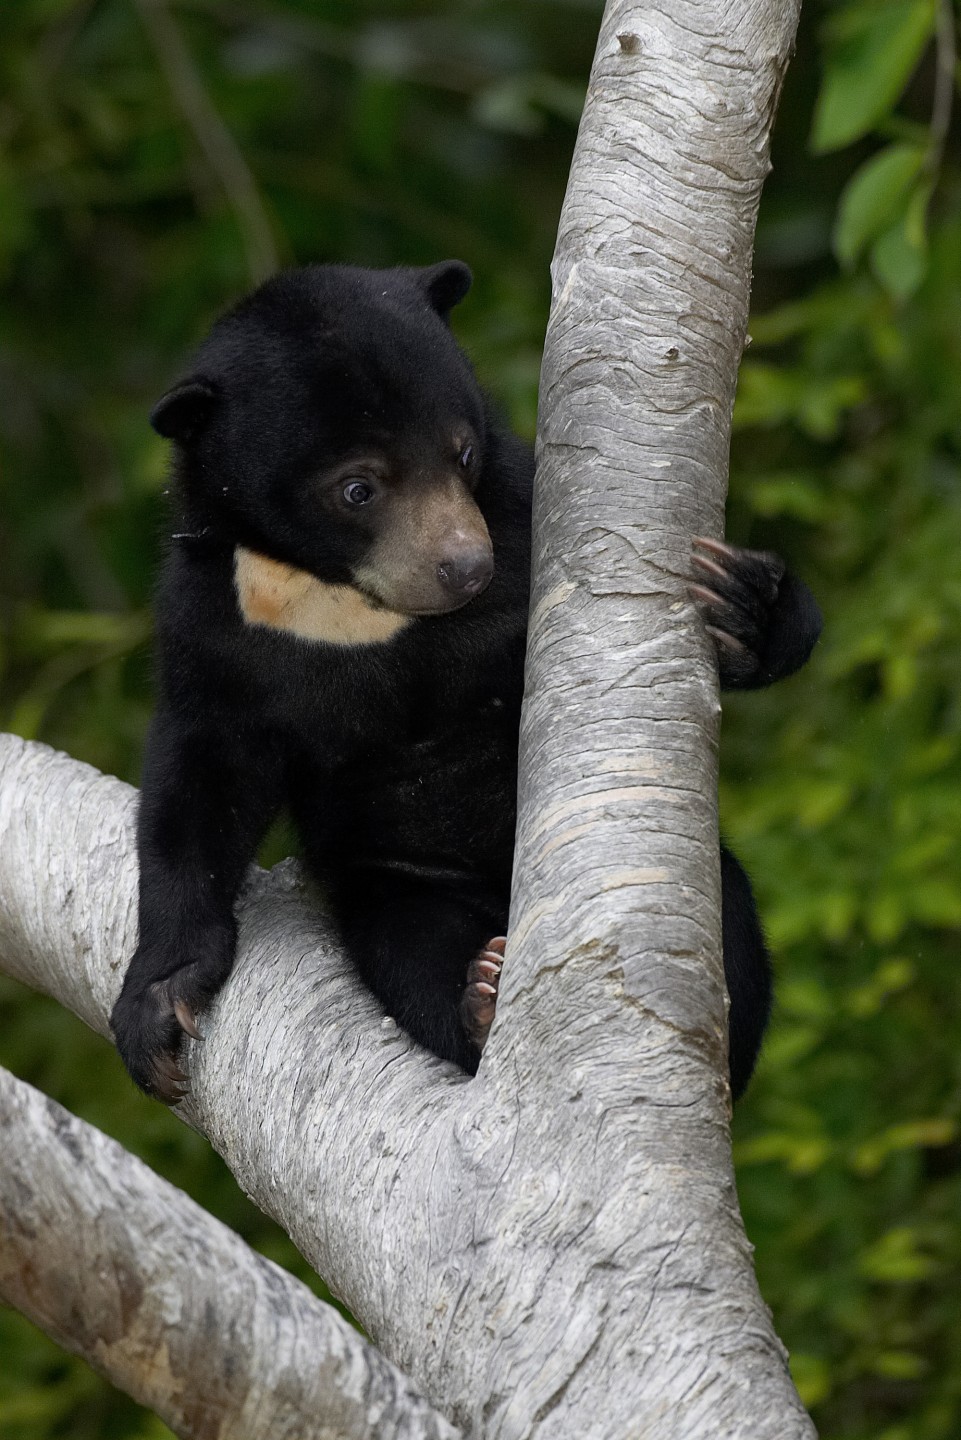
(184, 410)
(445, 285)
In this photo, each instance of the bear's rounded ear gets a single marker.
(445, 285)
(184, 410)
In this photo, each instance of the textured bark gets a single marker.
(170, 1305)
(554, 1248)
(616, 872)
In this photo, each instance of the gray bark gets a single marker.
(553, 1249)
(122, 1268)
(617, 887)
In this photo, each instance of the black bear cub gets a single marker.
(341, 623)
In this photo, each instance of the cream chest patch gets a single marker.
(282, 597)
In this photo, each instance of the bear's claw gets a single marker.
(186, 1020)
(737, 602)
(149, 1026)
(169, 1081)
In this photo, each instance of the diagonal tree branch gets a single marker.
(170, 1305)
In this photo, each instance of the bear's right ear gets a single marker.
(184, 410)
(445, 285)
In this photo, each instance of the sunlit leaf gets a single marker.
(899, 255)
(888, 979)
(878, 44)
(796, 495)
(875, 198)
(811, 1376)
(822, 802)
(937, 902)
(899, 1365)
(910, 1135)
(896, 1259)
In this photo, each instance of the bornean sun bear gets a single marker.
(341, 622)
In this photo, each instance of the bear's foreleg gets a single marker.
(763, 619)
(207, 798)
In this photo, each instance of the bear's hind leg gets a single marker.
(414, 941)
(747, 971)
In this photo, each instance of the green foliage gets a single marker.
(405, 133)
(872, 48)
(843, 789)
(876, 198)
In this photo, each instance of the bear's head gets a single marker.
(332, 424)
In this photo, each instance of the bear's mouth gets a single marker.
(448, 607)
(420, 592)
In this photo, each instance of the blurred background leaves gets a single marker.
(156, 158)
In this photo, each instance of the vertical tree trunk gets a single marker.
(619, 999)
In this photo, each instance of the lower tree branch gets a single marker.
(501, 1242)
(125, 1270)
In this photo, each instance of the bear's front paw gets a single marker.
(479, 1000)
(149, 1024)
(740, 592)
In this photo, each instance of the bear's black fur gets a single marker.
(341, 624)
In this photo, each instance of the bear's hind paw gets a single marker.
(479, 1001)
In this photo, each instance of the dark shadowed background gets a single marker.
(159, 156)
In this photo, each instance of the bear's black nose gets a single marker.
(467, 574)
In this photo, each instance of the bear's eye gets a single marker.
(466, 457)
(357, 493)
